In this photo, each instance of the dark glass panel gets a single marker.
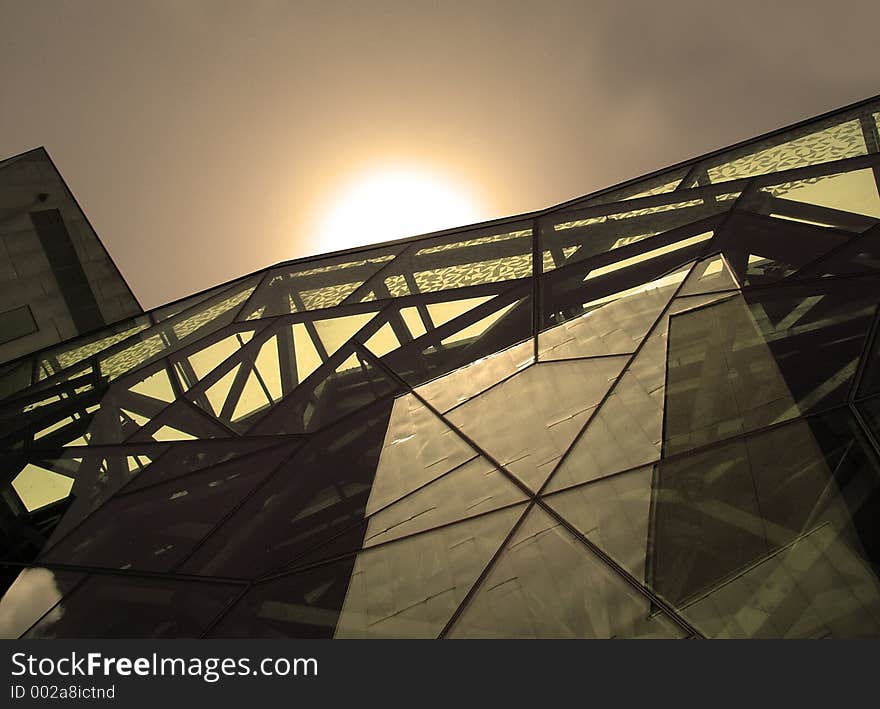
(133, 607)
(774, 534)
(154, 529)
(184, 457)
(861, 254)
(33, 594)
(762, 249)
(15, 377)
(299, 605)
(870, 383)
(767, 356)
(319, 493)
(347, 381)
(98, 473)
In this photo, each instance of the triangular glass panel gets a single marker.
(613, 513)
(546, 584)
(316, 496)
(419, 447)
(709, 275)
(410, 588)
(458, 386)
(528, 439)
(473, 488)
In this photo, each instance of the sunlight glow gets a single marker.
(390, 203)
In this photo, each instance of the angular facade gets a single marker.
(650, 412)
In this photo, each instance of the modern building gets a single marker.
(56, 279)
(650, 412)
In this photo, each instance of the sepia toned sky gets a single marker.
(206, 139)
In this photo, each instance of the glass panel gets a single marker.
(317, 495)
(201, 362)
(335, 332)
(861, 254)
(71, 353)
(626, 430)
(322, 283)
(751, 543)
(98, 473)
(614, 325)
(854, 191)
(454, 261)
(870, 409)
(37, 487)
(613, 513)
(179, 422)
(344, 383)
(844, 140)
(709, 275)
(419, 447)
(530, 420)
(172, 333)
(661, 184)
(301, 605)
(33, 594)
(186, 457)
(154, 529)
(547, 585)
(735, 366)
(410, 588)
(762, 250)
(567, 293)
(136, 608)
(481, 331)
(473, 488)
(575, 236)
(15, 377)
(870, 383)
(460, 385)
(155, 386)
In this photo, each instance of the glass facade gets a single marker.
(652, 412)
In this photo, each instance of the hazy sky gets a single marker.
(206, 139)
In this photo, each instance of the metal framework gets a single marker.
(650, 412)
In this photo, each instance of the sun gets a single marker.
(393, 202)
